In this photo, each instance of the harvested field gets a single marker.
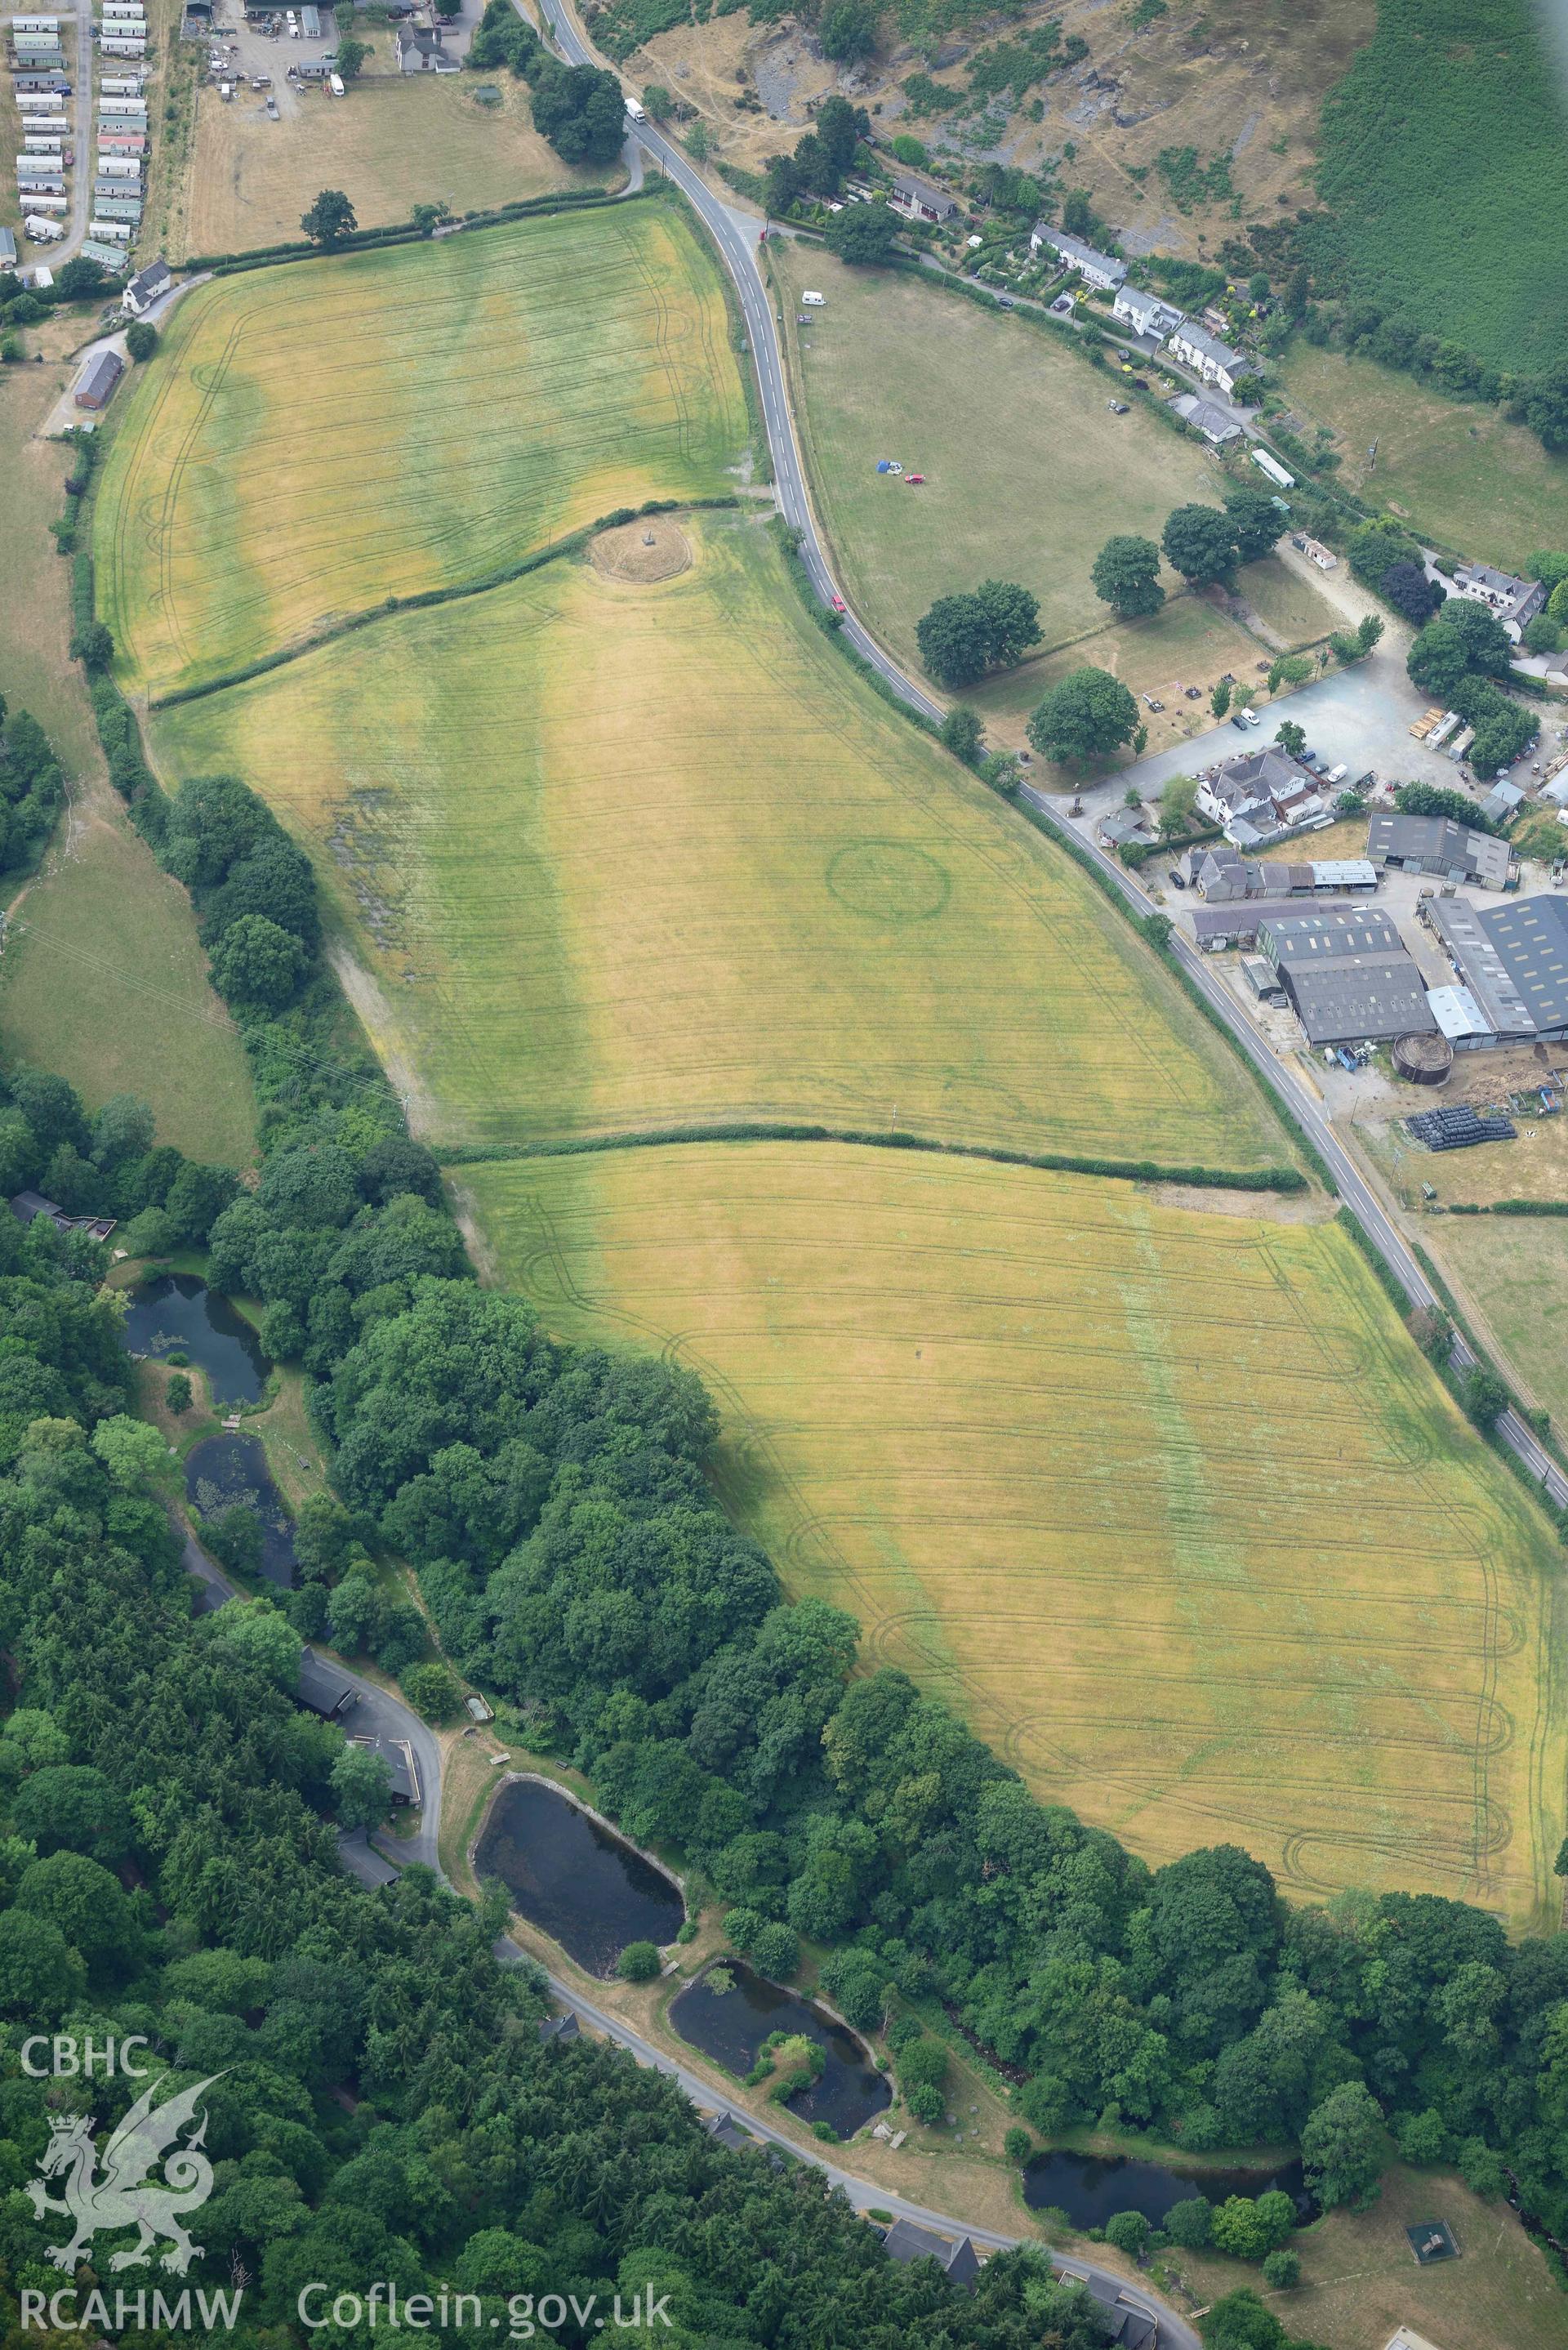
(395, 142)
(317, 438)
(622, 858)
(1168, 1506)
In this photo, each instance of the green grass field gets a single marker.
(1166, 1503)
(1027, 472)
(1516, 1269)
(317, 439)
(1443, 155)
(1455, 468)
(623, 857)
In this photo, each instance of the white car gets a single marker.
(1251, 717)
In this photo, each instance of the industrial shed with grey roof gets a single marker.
(1512, 961)
(1348, 976)
(1437, 845)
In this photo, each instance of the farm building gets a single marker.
(95, 385)
(955, 2256)
(1217, 928)
(147, 288)
(1513, 961)
(1222, 875)
(1094, 268)
(920, 200)
(1437, 845)
(1347, 976)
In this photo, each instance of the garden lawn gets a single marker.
(1457, 469)
(1027, 472)
(1167, 1505)
(317, 439)
(621, 858)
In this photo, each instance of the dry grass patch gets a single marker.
(317, 439)
(1168, 1506)
(1516, 1270)
(623, 857)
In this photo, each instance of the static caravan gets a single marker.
(42, 101)
(38, 203)
(123, 49)
(118, 208)
(112, 231)
(121, 86)
(118, 167)
(123, 109)
(41, 229)
(107, 256)
(34, 23)
(43, 142)
(124, 142)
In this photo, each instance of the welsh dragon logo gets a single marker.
(122, 2195)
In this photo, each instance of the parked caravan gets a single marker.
(118, 167)
(36, 204)
(111, 231)
(41, 229)
(121, 85)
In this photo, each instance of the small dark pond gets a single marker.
(178, 1313)
(733, 2026)
(223, 1470)
(1089, 2188)
(574, 1879)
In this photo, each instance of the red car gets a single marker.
(912, 479)
(839, 604)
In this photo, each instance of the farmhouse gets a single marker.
(1215, 361)
(1512, 962)
(1437, 845)
(146, 287)
(1094, 268)
(920, 200)
(94, 385)
(1515, 601)
(422, 52)
(955, 2256)
(1145, 313)
(1259, 796)
(1347, 975)
(323, 1688)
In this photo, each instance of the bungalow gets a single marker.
(1145, 313)
(1121, 825)
(422, 52)
(1216, 424)
(1215, 361)
(148, 286)
(920, 200)
(1516, 602)
(1094, 268)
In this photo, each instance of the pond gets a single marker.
(223, 1470)
(178, 1313)
(573, 1878)
(1089, 2187)
(731, 2026)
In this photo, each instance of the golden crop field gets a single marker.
(1166, 1503)
(623, 856)
(317, 439)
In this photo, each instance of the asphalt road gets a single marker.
(81, 183)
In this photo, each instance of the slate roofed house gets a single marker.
(422, 52)
(324, 1688)
(1123, 824)
(1145, 313)
(28, 1204)
(921, 200)
(1437, 845)
(1515, 601)
(726, 2131)
(955, 2256)
(558, 2027)
(145, 288)
(1260, 794)
(1207, 355)
(403, 1770)
(1094, 268)
(94, 385)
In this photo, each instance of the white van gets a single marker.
(816, 301)
(636, 110)
(1337, 774)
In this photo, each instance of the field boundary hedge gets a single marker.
(365, 240)
(571, 543)
(1055, 1163)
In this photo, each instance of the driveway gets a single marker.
(66, 416)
